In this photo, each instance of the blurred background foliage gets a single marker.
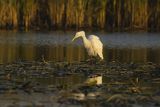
(109, 15)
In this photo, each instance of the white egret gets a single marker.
(93, 44)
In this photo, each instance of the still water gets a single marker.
(57, 46)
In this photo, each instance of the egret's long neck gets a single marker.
(85, 41)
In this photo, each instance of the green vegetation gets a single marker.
(110, 15)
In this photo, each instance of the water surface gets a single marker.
(57, 46)
(19, 52)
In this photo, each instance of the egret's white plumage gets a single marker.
(93, 44)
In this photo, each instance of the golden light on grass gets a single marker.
(104, 14)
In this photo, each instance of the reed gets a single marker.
(112, 15)
(30, 8)
(8, 14)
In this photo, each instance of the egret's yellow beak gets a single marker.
(73, 39)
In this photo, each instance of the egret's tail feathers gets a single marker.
(101, 56)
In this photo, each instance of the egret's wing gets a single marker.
(96, 45)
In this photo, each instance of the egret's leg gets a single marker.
(93, 60)
(90, 60)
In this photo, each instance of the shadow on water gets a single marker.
(46, 69)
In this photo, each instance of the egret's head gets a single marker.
(78, 34)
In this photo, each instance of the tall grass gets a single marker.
(114, 15)
(30, 9)
(8, 14)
